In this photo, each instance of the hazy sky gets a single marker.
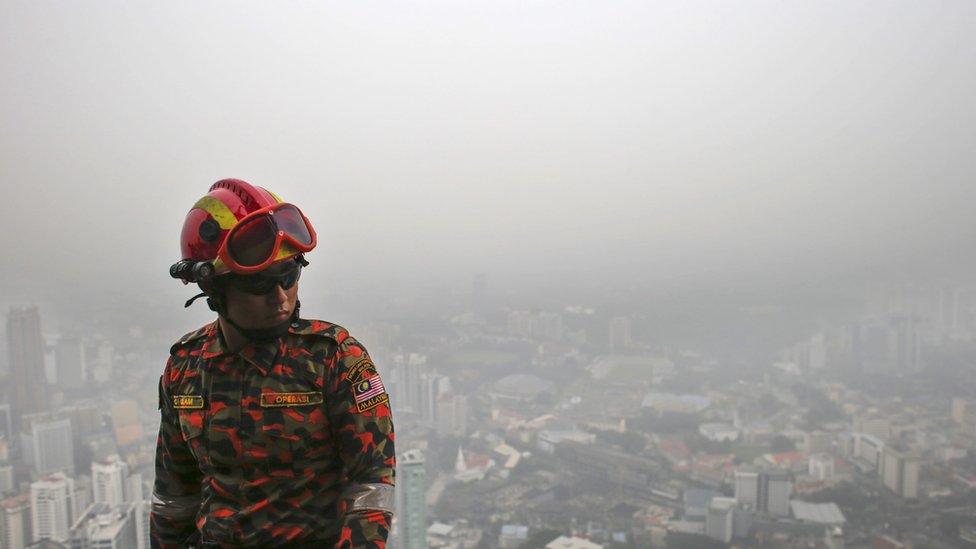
(600, 141)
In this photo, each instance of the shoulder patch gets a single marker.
(369, 393)
(361, 369)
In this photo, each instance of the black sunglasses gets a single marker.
(265, 282)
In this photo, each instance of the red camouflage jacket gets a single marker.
(287, 442)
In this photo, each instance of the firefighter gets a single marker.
(275, 430)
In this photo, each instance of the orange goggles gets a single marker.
(254, 243)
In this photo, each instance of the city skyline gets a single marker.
(633, 274)
(530, 402)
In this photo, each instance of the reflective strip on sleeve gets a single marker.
(176, 507)
(369, 497)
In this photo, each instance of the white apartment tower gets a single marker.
(720, 520)
(52, 447)
(900, 473)
(109, 478)
(747, 488)
(15, 525)
(51, 507)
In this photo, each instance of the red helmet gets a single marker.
(243, 228)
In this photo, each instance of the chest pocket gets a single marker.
(191, 427)
(291, 428)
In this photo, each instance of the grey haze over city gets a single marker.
(733, 189)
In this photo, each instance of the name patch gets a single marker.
(187, 401)
(278, 400)
(369, 393)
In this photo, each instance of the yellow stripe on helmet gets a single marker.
(218, 210)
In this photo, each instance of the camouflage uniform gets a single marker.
(284, 443)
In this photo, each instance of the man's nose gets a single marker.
(278, 294)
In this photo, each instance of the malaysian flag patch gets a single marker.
(369, 393)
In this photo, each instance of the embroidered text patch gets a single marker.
(187, 401)
(277, 400)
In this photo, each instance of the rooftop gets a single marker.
(820, 513)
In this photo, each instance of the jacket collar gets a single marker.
(261, 354)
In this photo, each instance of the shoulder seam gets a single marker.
(190, 336)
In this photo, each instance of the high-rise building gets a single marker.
(411, 508)
(868, 450)
(69, 358)
(810, 355)
(105, 526)
(109, 478)
(410, 384)
(142, 524)
(134, 489)
(619, 334)
(747, 487)
(821, 466)
(51, 507)
(774, 493)
(435, 385)
(25, 348)
(900, 472)
(7, 479)
(15, 522)
(766, 491)
(904, 344)
(720, 520)
(6, 423)
(452, 415)
(51, 446)
(86, 418)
